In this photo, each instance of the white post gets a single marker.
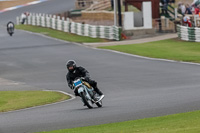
(34, 20)
(147, 14)
(195, 19)
(176, 13)
(17, 20)
(128, 20)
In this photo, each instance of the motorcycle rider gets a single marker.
(10, 28)
(75, 72)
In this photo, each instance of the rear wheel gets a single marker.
(87, 102)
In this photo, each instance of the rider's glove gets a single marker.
(87, 78)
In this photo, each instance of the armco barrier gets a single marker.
(55, 22)
(188, 33)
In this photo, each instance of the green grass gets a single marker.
(172, 49)
(178, 123)
(14, 100)
(59, 34)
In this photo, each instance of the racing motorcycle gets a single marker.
(10, 28)
(88, 95)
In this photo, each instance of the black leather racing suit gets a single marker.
(81, 72)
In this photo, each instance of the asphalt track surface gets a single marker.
(135, 87)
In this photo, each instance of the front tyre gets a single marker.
(87, 102)
(99, 104)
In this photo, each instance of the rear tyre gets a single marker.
(87, 102)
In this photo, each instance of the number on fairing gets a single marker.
(77, 83)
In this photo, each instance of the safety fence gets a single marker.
(57, 23)
(188, 33)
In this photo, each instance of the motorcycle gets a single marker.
(10, 28)
(87, 93)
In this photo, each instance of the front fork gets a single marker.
(88, 96)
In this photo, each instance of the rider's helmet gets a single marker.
(71, 65)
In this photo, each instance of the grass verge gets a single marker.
(172, 49)
(59, 34)
(178, 123)
(14, 100)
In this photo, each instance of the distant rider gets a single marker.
(10, 27)
(75, 72)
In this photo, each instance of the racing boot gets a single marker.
(101, 95)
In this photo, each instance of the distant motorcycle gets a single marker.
(10, 28)
(87, 93)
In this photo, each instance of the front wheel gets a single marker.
(87, 102)
(99, 104)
